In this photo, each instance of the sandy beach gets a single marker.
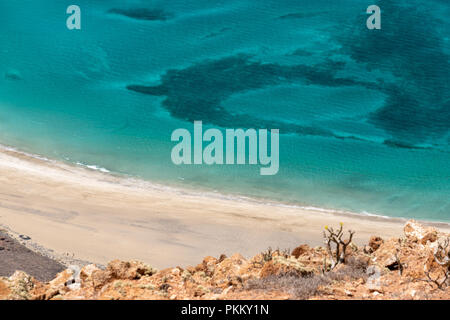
(96, 217)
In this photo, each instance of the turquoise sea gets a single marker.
(364, 115)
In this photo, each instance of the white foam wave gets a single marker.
(93, 167)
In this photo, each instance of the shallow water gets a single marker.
(364, 115)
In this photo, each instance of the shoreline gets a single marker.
(90, 215)
(140, 183)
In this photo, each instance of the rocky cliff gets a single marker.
(414, 266)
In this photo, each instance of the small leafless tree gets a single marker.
(330, 237)
(442, 257)
(267, 255)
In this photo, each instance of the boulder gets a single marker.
(375, 242)
(129, 270)
(416, 232)
(100, 278)
(300, 250)
(86, 274)
(230, 271)
(207, 266)
(58, 286)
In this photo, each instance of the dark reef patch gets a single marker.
(197, 92)
(142, 14)
(410, 47)
(402, 145)
(13, 75)
(301, 15)
(408, 55)
(301, 53)
(217, 33)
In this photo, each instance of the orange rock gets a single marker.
(4, 290)
(208, 265)
(86, 274)
(57, 285)
(396, 270)
(375, 242)
(300, 250)
(128, 269)
(429, 236)
(417, 232)
(100, 278)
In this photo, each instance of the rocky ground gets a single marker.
(414, 266)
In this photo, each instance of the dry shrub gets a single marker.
(354, 268)
(308, 286)
(298, 287)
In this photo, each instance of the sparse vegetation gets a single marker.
(310, 285)
(338, 255)
(392, 269)
(298, 287)
(269, 253)
(304, 287)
